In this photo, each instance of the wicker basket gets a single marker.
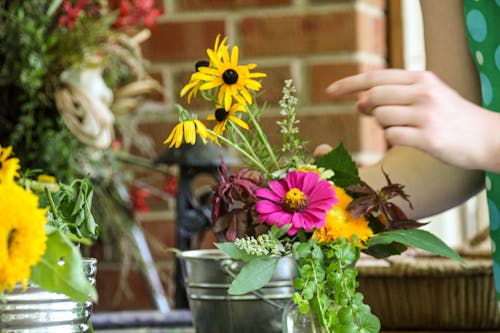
(427, 292)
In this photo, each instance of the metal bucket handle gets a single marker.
(229, 265)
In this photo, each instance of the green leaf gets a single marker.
(254, 275)
(55, 4)
(234, 252)
(369, 323)
(278, 232)
(341, 163)
(67, 278)
(302, 250)
(381, 251)
(304, 307)
(421, 239)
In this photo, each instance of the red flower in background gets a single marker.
(170, 185)
(136, 12)
(139, 196)
(70, 14)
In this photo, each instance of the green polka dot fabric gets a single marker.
(482, 20)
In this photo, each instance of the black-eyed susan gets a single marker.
(340, 223)
(222, 116)
(233, 81)
(194, 83)
(22, 234)
(8, 165)
(186, 131)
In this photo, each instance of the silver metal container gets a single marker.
(40, 311)
(207, 276)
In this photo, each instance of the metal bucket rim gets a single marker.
(211, 254)
(89, 260)
(205, 254)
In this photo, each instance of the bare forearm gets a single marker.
(488, 145)
(432, 185)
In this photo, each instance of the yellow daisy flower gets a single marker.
(232, 80)
(194, 83)
(340, 223)
(186, 131)
(222, 116)
(8, 165)
(22, 234)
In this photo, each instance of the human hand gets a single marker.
(417, 109)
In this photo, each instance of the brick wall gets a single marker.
(314, 42)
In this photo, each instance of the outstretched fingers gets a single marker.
(368, 80)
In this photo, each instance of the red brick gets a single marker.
(160, 235)
(320, 128)
(322, 75)
(298, 34)
(182, 40)
(194, 5)
(158, 131)
(135, 294)
(272, 84)
(157, 96)
(378, 3)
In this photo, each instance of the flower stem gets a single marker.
(52, 205)
(317, 293)
(249, 148)
(263, 138)
(241, 150)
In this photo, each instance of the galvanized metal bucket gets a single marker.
(40, 311)
(207, 276)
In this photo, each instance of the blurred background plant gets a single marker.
(72, 77)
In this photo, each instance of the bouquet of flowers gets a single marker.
(284, 203)
(42, 225)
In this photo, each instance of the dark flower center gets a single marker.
(230, 76)
(295, 201)
(221, 114)
(10, 238)
(201, 63)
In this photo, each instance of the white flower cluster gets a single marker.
(263, 245)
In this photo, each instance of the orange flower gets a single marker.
(340, 223)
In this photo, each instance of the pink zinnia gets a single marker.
(301, 199)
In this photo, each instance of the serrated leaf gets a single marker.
(341, 163)
(421, 239)
(254, 275)
(68, 278)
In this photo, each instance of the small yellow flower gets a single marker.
(233, 81)
(43, 178)
(8, 165)
(322, 172)
(186, 131)
(194, 83)
(22, 234)
(340, 223)
(222, 116)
